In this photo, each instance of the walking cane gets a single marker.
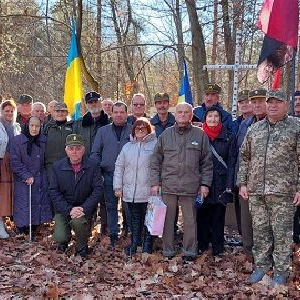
(30, 225)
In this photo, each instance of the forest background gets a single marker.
(128, 46)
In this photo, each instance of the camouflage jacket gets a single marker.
(270, 158)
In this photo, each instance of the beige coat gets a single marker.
(132, 169)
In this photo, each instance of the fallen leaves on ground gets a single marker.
(37, 271)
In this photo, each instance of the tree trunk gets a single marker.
(200, 76)
(99, 42)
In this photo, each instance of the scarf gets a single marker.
(9, 128)
(31, 139)
(212, 132)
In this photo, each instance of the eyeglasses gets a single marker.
(138, 104)
(141, 128)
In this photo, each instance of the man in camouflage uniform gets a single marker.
(269, 178)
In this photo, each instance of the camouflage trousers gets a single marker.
(272, 221)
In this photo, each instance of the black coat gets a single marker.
(224, 145)
(67, 190)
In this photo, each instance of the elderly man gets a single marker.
(138, 108)
(24, 109)
(107, 105)
(269, 179)
(107, 145)
(182, 166)
(258, 101)
(163, 119)
(39, 111)
(75, 190)
(56, 132)
(50, 110)
(297, 103)
(211, 98)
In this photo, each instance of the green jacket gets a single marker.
(270, 158)
(56, 141)
(182, 161)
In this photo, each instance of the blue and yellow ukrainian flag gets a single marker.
(185, 93)
(73, 82)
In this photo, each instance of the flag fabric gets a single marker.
(73, 82)
(185, 93)
(279, 21)
(276, 81)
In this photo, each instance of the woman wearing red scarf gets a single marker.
(211, 215)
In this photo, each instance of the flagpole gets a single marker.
(292, 83)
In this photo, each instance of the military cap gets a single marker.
(60, 106)
(259, 93)
(297, 94)
(161, 96)
(243, 95)
(278, 94)
(212, 88)
(92, 96)
(25, 99)
(74, 140)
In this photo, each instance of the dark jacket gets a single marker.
(56, 141)
(131, 119)
(23, 167)
(181, 161)
(106, 146)
(199, 112)
(224, 145)
(87, 126)
(159, 127)
(68, 189)
(22, 121)
(236, 124)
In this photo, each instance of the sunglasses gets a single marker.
(141, 128)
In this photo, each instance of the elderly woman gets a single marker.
(8, 129)
(131, 181)
(211, 215)
(28, 165)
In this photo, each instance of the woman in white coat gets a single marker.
(131, 181)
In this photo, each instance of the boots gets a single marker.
(136, 229)
(148, 241)
(3, 233)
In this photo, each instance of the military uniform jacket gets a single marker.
(181, 161)
(270, 158)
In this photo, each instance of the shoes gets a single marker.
(113, 239)
(188, 258)
(279, 280)
(62, 247)
(83, 252)
(234, 243)
(256, 276)
(130, 250)
(3, 233)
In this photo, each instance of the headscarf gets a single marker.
(31, 139)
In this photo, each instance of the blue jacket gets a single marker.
(224, 145)
(199, 112)
(159, 127)
(106, 146)
(236, 124)
(68, 189)
(240, 138)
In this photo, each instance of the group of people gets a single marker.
(73, 165)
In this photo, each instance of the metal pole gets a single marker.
(292, 84)
(30, 225)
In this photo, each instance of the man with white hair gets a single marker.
(182, 167)
(39, 110)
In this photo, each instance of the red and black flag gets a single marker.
(279, 21)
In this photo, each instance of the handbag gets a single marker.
(155, 215)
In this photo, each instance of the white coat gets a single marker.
(3, 140)
(132, 169)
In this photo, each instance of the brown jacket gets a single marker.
(182, 161)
